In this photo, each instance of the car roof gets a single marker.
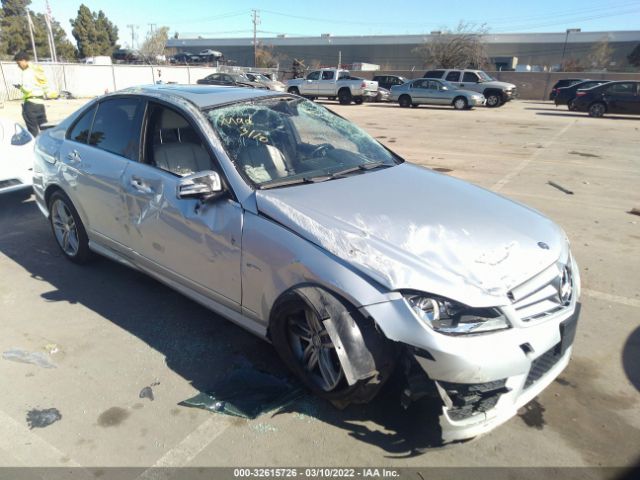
(202, 96)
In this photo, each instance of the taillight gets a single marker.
(580, 94)
(364, 85)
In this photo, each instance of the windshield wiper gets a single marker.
(359, 168)
(285, 182)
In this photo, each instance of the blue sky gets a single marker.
(355, 17)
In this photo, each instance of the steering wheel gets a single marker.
(321, 150)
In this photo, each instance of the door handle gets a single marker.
(73, 156)
(139, 185)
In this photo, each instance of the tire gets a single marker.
(294, 317)
(415, 105)
(570, 105)
(597, 109)
(460, 103)
(294, 91)
(358, 100)
(405, 101)
(344, 96)
(494, 99)
(68, 229)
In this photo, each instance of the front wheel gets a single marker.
(460, 103)
(597, 110)
(405, 101)
(493, 100)
(303, 342)
(68, 229)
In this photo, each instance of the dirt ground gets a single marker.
(117, 331)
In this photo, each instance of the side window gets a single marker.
(172, 144)
(116, 127)
(80, 131)
(327, 75)
(434, 85)
(313, 76)
(622, 89)
(434, 74)
(453, 76)
(470, 77)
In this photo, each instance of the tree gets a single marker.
(572, 65)
(265, 57)
(14, 32)
(155, 43)
(634, 56)
(463, 47)
(600, 55)
(94, 33)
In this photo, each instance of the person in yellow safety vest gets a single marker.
(35, 90)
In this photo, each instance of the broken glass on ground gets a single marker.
(247, 393)
(42, 418)
(23, 356)
(147, 392)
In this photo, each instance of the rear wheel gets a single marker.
(358, 100)
(294, 91)
(460, 103)
(597, 109)
(344, 97)
(304, 344)
(68, 229)
(405, 101)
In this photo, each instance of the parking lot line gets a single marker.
(187, 449)
(630, 302)
(496, 187)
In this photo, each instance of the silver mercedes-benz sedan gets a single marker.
(297, 225)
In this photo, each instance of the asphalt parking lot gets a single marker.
(113, 331)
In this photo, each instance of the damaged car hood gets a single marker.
(408, 227)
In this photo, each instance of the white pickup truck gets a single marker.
(333, 83)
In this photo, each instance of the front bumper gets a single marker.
(477, 102)
(484, 379)
(509, 95)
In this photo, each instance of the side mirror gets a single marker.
(202, 185)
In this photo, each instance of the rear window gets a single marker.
(434, 74)
(453, 76)
(116, 127)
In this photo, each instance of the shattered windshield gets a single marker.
(284, 140)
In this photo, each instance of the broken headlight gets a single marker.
(452, 318)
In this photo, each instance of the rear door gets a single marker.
(420, 91)
(621, 97)
(192, 243)
(453, 76)
(96, 154)
(327, 83)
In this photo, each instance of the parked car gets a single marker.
(612, 97)
(384, 95)
(230, 79)
(184, 58)
(270, 84)
(497, 93)
(565, 82)
(297, 225)
(388, 81)
(566, 95)
(334, 83)
(16, 157)
(210, 53)
(434, 92)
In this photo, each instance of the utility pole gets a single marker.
(566, 39)
(52, 42)
(33, 43)
(256, 22)
(152, 27)
(131, 26)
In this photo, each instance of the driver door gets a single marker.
(190, 242)
(310, 84)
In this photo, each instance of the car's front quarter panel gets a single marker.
(275, 259)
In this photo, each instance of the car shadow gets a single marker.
(197, 344)
(585, 115)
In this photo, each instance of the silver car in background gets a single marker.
(274, 85)
(423, 91)
(298, 226)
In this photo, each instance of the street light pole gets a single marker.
(566, 39)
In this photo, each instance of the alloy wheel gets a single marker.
(64, 227)
(312, 346)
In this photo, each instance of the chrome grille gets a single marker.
(545, 294)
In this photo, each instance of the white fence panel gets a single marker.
(173, 74)
(133, 75)
(88, 80)
(198, 73)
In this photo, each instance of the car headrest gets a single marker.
(172, 120)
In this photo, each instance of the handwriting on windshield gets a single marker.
(245, 125)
